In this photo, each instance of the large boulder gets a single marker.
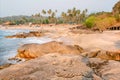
(50, 67)
(36, 50)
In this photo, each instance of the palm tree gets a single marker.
(49, 11)
(116, 8)
(78, 16)
(55, 11)
(43, 11)
(64, 15)
(83, 15)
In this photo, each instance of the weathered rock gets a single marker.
(93, 53)
(25, 35)
(5, 65)
(107, 55)
(111, 71)
(36, 50)
(95, 77)
(105, 69)
(50, 67)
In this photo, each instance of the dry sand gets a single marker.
(108, 40)
(68, 67)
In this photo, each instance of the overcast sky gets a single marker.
(29, 7)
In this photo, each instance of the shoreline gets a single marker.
(49, 58)
(80, 37)
(35, 27)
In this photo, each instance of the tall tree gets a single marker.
(116, 8)
(49, 11)
(43, 11)
(116, 11)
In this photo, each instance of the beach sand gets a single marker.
(107, 40)
(55, 66)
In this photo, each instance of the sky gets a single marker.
(29, 7)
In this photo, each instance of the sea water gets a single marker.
(9, 46)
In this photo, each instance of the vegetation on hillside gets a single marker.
(72, 16)
(104, 20)
(100, 20)
(116, 11)
(116, 8)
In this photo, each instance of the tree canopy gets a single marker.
(116, 8)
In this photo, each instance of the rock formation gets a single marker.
(50, 67)
(36, 50)
(25, 35)
(105, 69)
(107, 55)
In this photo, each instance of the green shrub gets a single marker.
(46, 21)
(90, 22)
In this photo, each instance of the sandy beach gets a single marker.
(107, 40)
(80, 51)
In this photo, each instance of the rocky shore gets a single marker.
(25, 35)
(73, 55)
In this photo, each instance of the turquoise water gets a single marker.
(8, 46)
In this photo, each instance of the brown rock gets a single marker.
(107, 55)
(5, 66)
(36, 50)
(93, 53)
(24, 35)
(111, 71)
(95, 77)
(105, 69)
(68, 67)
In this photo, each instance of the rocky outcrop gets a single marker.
(105, 69)
(25, 35)
(63, 67)
(30, 51)
(107, 55)
(5, 66)
(50, 67)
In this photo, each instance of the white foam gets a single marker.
(37, 40)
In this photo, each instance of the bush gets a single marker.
(60, 22)
(117, 17)
(102, 24)
(46, 21)
(90, 22)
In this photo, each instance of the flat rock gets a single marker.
(25, 35)
(50, 67)
(105, 69)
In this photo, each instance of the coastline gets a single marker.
(81, 37)
(52, 62)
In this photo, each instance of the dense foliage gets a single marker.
(90, 21)
(72, 16)
(100, 21)
(116, 8)
(116, 11)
